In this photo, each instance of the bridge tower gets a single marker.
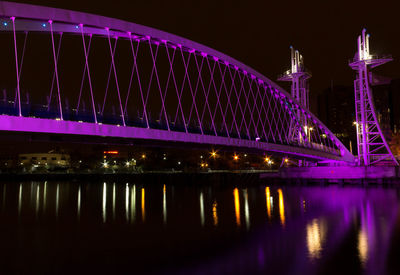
(299, 76)
(372, 146)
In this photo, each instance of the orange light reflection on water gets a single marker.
(215, 213)
(237, 205)
(143, 208)
(268, 201)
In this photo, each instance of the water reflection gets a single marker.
(133, 204)
(215, 213)
(79, 202)
(113, 201)
(45, 196)
(57, 199)
(359, 223)
(164, 204)
(316, 231)
(237, 205)
(19, 199)
(202, 219)
(37, 199)
(143, 206)
(104, 213)
(281, 207)
(246, 209)
(268, 201)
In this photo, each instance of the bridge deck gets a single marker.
(51, 126)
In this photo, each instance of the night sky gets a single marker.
(259, 33)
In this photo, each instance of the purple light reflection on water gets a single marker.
(198, 226)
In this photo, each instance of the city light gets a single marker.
(111, 152)
(127, 163)
(235, 157)
(105, 164)
(213, 154)
(143, 156)
(266, 159)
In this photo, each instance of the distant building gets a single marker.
(50, 160)
(336, 109)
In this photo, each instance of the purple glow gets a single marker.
(251, 113)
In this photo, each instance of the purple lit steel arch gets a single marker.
(255, 102)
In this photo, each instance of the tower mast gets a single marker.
(298, 75)
(371, 144)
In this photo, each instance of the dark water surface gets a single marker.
(197, 228)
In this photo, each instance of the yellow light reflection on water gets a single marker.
(268, 201)
(363, 246)
(143, 206)
(215, 213)
(316, 231)
(237, 205)
(281, 207)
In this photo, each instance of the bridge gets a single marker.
(74, 73)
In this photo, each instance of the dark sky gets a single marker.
(259, 33)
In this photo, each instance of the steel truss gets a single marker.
(372, 146)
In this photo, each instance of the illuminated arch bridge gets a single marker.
(73, 73)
